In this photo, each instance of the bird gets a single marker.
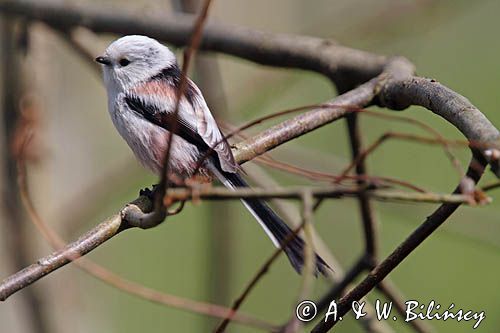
(143, 82)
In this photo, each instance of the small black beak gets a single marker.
(103, 60)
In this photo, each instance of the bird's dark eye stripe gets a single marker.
(124, 62)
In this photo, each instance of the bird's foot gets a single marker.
(150, 194)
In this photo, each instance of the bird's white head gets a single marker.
(134, 59)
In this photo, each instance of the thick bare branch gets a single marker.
(346, 66)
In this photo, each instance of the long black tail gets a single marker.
(273, 225)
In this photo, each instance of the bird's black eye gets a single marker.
(124, 62)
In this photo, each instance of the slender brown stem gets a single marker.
(378, 273)
(365, 206)
(332, 192)
(256, 278)
(220, 228)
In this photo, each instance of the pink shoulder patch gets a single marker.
(155, 88)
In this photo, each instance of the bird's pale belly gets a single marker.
(150, 142)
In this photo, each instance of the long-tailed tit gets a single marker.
(142, 80)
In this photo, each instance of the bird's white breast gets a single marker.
(149, 142)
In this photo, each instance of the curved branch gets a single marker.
(400, 93)
(455, 108)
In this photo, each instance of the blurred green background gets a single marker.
(87, 173)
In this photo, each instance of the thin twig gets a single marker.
(365, 206)
(401, 252)
(313, 174)
(402, 136)
(443, 141)
(159, 212)
(295, 192)
(331, 178)
(220, 252)
(490, 187)
(255, 279)
(188, 55)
